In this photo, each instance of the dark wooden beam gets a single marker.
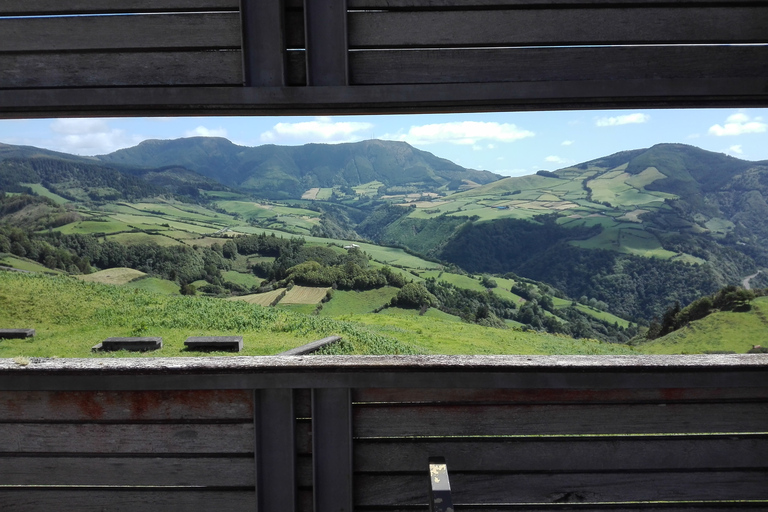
(264, 55)
(325, 23)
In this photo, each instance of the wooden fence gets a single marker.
(163, 57)
(329, 433)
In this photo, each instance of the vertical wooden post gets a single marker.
(332, 449)
(264, 55)
(325, 25)
(275, 448)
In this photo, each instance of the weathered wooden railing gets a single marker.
(161, 57)
(328, 433)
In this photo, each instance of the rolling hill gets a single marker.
(284, 172)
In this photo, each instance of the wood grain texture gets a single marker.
(110, 471)
(48, 7)
(125, 405)
(469, 4)
(555, 64)
(151, 31)
(55, 70)
(564, 454)
(462, 420)
(557, 27)
(124, 438)
(126, 500)
(540, 396)
(520, 488)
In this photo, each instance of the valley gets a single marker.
(594, 251)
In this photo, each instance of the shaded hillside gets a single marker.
(289, 171)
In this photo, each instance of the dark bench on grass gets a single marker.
(134, 344)
(215, 343)
(335, 433)
(8, 334)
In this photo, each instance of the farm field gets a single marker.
(155, 285)
(261, 299)
(304, 295)
(9, 260)
(346, 303)
(117, 276)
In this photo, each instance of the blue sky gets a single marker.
(506, 143)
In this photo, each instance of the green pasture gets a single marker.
(247, 280)
(722, 331)
(89, 227)
(142, 238)
(155, 285)
(71, 316)
(9, 260)
(434, 334)
(357, 303)
(40, 190)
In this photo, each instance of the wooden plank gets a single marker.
(332, 450)
(564, 454)
(325, 26)
(111, 471)
(125, 438)
(465, 4)
(553, 64)
(264, 47)
(152, 31)
(628, 25)
(311, 347)
(125, 500)
(29, 406)
(6, 334)
(49, 7)
(538, 372)
(275, 449)
(457, 420)
(671, 506)
(488, 488)
(540, 396)
(120, 69)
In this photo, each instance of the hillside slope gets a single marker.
(289, 171)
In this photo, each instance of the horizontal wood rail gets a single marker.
(280, 57)
(334, 433)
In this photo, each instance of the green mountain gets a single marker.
(290, 171)
(74, 178)
(638, 230)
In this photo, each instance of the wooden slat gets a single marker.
(464, 4)
(554, 64)
(332, 450)
(562, 454)
(447, 29)
(125, 500)
(48, 7)
(325, 27)
(110, 471)
(120, 69)
(480, 420)
(569, 487)
(126, 405)
(490, 396)
(275, 449)
(121, 438)
(152, 31)
(698, 506)
(264, 55)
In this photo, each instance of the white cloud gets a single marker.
(322, 128)
(463, 133)
(556, 160)
(567, 143)
(202, 131)
(513, 172)
(736, 149)
(624, 119)
(739, 124)
(89, 137)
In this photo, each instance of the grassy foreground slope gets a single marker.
(723, 331)
(71, 316)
